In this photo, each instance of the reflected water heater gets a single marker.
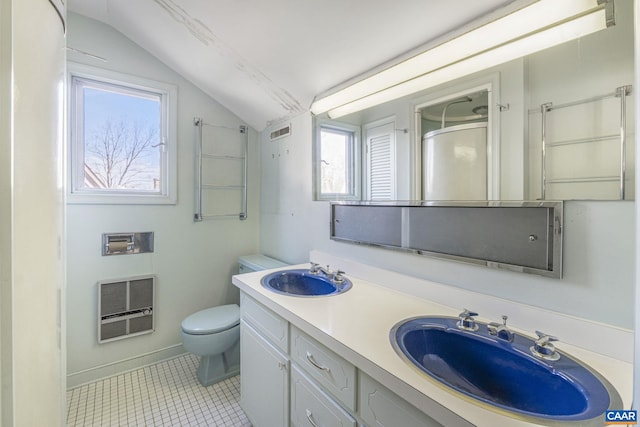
(455, 163)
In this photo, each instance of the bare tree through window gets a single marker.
(335, 147)
(122, 139)
(120, 154)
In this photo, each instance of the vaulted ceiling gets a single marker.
(265, 60)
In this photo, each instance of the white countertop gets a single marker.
(356, 324)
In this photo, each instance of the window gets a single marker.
(122, 138)
(337, 174)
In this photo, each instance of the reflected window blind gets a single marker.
(381, 162)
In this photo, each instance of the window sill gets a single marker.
(119, 199)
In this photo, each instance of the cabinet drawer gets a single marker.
(265, 321)
(331, 371)
(379, 406)
(310, 406)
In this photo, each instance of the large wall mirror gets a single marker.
(555, 125)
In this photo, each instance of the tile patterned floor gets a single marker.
(164, 394)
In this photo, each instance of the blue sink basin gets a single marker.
(303, 283)
(504, 374)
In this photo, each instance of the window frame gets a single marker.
(354, 184)
(168, 136)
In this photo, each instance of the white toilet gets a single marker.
(214, 335)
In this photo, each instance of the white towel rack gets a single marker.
(221, 172)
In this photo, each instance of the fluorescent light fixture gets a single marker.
(541, 25)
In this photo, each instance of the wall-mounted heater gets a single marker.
(125, 308)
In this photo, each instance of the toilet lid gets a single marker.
(212, 320)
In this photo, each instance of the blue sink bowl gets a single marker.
(303, 283)
(503, 374)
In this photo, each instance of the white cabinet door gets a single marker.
(264, 380)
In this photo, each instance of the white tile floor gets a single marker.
(165, 394)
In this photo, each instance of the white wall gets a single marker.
(636, 83)
(6, 399)
(31, 218)
(193, 261)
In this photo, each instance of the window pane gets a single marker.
(335, 157)
(122, 138)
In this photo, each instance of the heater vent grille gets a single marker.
(125, 308)
(281, 133)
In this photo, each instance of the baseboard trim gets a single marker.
(79, 378)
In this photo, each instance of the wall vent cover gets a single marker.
(281, 133)
(125, 307)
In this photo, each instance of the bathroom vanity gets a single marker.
(286, 373)
(329, 360)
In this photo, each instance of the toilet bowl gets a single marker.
(214, 335)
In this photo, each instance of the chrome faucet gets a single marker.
(317, 268)
(466, 321)
(543, 348)
(335, 276)
(500, 330)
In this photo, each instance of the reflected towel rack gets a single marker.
(621, 92)
(223, 167)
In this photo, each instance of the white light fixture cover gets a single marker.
(541, 25)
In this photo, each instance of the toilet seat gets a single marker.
(212, 320)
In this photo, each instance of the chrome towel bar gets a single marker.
(621, 92)
(207, 191)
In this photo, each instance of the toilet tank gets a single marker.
(257, 262)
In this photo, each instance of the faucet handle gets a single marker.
(314, 267)
(543, 348)
(338, 276)
(544, 339)
(466, 314)
(466, 321)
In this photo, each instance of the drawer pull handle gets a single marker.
(314, 363)
(310, 418)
